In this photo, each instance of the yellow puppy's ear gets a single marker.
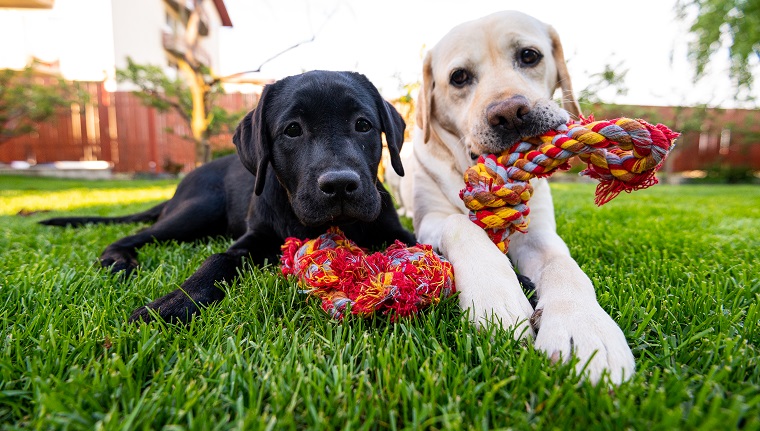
(563, 77)
(425, 97)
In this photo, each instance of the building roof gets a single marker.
(222, 9)
(36, 4)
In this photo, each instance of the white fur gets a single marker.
(568, 318)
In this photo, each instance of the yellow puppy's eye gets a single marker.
(460, 78)
(530, 57)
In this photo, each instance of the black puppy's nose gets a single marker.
(338, 183)
(508, 114)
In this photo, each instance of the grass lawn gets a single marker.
(676, 267)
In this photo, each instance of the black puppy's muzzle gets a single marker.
(339, 184)
(338, 194)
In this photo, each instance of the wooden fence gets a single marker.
(116, 127)
(711, 137)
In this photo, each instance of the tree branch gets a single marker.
(258, 69)
(158, 95)
(11, 117)
(10, 131)
(303, 42)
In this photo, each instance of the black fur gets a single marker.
(529, 289)
(279, 186)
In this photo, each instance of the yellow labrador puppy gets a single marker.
(486, 84)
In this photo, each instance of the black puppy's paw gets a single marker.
(176, 307)
(119, 261)
(529, 289)
(408, 238)
(402, 235)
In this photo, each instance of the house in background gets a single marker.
(90, 39)
(86, 41)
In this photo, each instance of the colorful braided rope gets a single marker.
(400, 281)
(623, 154)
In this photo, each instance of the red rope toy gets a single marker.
(400, 281)
(623, 154)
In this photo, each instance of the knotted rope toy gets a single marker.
(400, 281)
(623, 154)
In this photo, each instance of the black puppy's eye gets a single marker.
(362, 125)
(460, 78)
(293, 130)
(530, 57)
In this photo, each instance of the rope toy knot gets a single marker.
(400, 281)
(623, 154)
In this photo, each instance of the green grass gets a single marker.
(677, 267)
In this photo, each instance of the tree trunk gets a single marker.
(190, 67)
(199, 119)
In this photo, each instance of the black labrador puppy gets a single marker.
(308, 160)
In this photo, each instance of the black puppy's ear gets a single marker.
(253, 142)
(393, 126)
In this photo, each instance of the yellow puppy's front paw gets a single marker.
(588, 333)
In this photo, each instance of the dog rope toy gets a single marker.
(400, 281)
(623, 154)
